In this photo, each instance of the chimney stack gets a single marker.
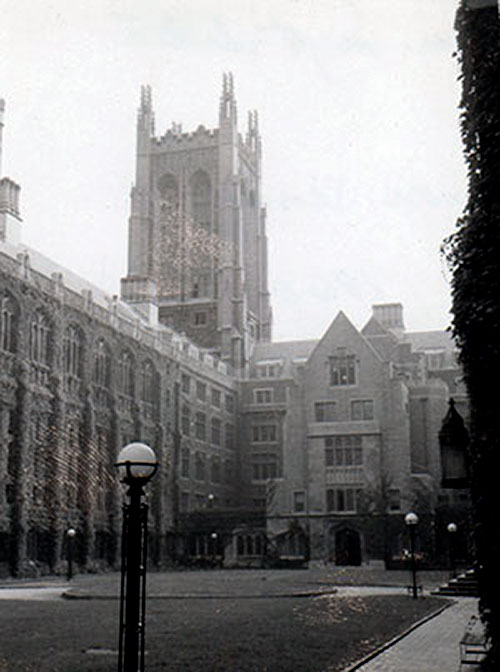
(390, 316)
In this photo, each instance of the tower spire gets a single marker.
(146, 116)
(227, 100)
(253, 137)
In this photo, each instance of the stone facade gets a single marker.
(80, 380)
(340, 439)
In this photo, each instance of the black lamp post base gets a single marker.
(415, 591)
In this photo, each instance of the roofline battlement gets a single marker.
(175, 137)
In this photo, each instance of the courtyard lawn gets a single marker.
(206, 635)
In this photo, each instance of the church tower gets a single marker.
(197, 231)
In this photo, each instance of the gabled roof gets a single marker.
(287, 350)
(339, 319)
(374, 328)
(430, 340)
(382, 339)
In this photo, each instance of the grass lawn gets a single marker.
(206, 635)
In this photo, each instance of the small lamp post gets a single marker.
(452, 530)
(211, 500)
(136, 465)
(70, 535)
(213, 539)
(411, 521)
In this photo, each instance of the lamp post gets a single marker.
(136, 465)
(213, 538)
(70, 535)
(411, 521)
(452, 530)
(211, 500)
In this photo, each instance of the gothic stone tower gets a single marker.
(197, 231)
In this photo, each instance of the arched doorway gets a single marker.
(347, 547)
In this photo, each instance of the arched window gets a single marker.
(125, 374)
(102, 364)
(72, 455)
(8, 325)
(73, 350)
(39, 336)
(201, 199)
(169, 193)
(148, 382)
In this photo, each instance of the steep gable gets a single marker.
(380, 338)
(343, 359)
(342, 334)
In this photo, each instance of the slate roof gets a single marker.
(287, 350)
(430, 340)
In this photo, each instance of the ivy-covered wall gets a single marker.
(77, 383)
(474, 254)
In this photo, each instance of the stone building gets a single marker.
(269, 452)
(81, 376)
(339, 439)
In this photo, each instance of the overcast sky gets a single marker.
(363, 170)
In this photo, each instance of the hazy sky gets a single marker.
(363, 171)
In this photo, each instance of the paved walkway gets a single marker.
(432, 647)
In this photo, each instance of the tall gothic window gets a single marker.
(8, 325)
(165, 254)
(148, 382)
(39, 339)
(102, 364)
(72, 456)
(203, 246)
(169, 193)
(73, 350)
(125, 374)
(201, 199)
(100, 455)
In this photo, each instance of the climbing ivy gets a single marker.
(473, 252)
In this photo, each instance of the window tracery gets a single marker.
(8, 324)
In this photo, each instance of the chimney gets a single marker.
(390, 316)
